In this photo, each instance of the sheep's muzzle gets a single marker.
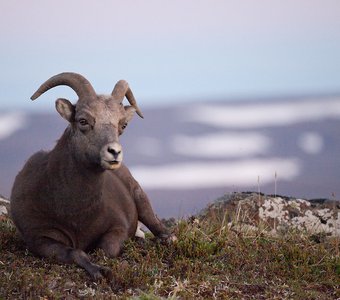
(111, 156)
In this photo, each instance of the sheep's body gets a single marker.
(78, 224)
(64, 202)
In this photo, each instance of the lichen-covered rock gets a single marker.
(4, 206)
(278, 214)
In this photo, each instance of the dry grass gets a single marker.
(211, 260)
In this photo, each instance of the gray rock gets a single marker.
(278, 214)
(4, 206)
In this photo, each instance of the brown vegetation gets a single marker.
(209, 261)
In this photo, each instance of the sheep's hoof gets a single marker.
(101, 273)
(140, 241)
(168, 238)
(107, 273)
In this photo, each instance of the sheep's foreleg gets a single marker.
(144, 209)
(146, 214)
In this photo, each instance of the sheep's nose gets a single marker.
(115, 149)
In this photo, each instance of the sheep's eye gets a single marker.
(124, 126)
(83, 122)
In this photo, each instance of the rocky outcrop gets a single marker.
(277, 214)
(4, 206)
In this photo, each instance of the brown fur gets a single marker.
(70, 200)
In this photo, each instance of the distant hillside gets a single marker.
(186, 155)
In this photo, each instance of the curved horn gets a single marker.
(75, 81)
(122, 90)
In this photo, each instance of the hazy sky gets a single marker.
(170, 50)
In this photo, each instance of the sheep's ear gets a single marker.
(129, 112)
(65, 108)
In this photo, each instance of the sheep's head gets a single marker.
(96, 121)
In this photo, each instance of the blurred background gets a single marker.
(237, 95)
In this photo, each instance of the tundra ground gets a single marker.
(210, 260)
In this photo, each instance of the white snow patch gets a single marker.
(264, 115)
(10, 123)
(221, 145)
(139, 232)
(216, 174)
(311, 142)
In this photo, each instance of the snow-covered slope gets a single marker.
(186, 155)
